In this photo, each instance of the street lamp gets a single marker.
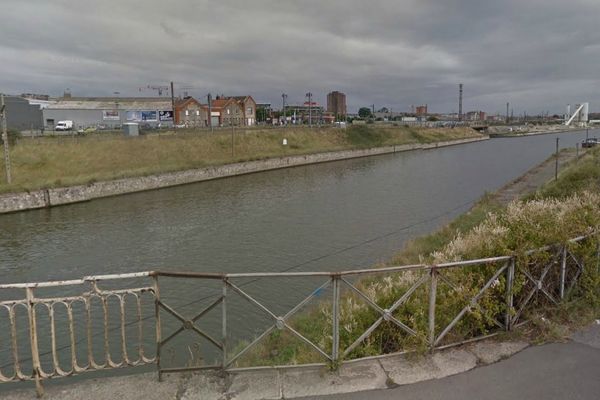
(309, 95)
(283, 99)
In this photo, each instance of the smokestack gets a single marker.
(507, 117)
(460, 102)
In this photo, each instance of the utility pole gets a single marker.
(173, 107)
(460, 102)
(209, 97)
(283, 98)
(5, 140)
(309, 95)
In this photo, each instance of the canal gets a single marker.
(333, 216)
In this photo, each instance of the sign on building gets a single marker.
(165, 116)
(149, 116)
(110, 115)
(134, 116)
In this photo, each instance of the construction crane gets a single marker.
(159, 89)
(186, 90)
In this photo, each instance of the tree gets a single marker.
(261, 114)
(364, 112)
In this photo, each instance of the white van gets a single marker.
(64, 126)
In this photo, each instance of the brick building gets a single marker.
(233, 111)
(189, 112)
(336, 104)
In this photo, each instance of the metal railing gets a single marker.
(561, 262)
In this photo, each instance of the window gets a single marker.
(198, 112)
(249, 110)
(237, 111)
(228, 111)
(187, 112)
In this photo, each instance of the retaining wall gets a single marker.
(42, 198)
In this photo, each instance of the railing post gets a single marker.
(35, 355)
(224, 323)
(335, 280)
(432, 301)
(158, 325)
(563, 271)
(510, 282)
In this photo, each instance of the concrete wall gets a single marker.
(59, 196)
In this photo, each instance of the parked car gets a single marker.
(590, 142)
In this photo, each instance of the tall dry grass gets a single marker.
(63, 161)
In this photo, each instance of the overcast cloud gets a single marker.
(537, 54)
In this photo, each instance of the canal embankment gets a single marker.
(49, 197)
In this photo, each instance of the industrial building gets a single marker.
(109, 112)
(308, 112)
(21, 114)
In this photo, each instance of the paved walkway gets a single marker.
(551, 372)
(535, 177)
(555, 371)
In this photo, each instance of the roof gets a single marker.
(110, 103)
(220, 103)
(180, 103)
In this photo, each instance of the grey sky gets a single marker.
(537, 54)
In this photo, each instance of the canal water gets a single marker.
(333, 216)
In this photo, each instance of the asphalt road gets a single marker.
(550, 372)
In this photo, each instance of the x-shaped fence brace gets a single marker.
(473, 302)
(385, 314)
(187, 324)
(280, 322)
(540, 284)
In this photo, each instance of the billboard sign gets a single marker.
(134, 116)
(110, 115)
(149, 116)
(165, 116)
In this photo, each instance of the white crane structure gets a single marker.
(581, 114)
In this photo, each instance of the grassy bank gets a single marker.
(559, 211)
(64, 161)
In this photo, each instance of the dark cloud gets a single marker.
(538, 54)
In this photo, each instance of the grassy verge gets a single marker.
(64, 161)
(559, 211)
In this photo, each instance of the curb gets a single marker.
(287, 383)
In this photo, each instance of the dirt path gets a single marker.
(535, 178)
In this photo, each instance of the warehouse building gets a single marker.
(21, 114)
(109, 112)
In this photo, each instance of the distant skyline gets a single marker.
(538, 55)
